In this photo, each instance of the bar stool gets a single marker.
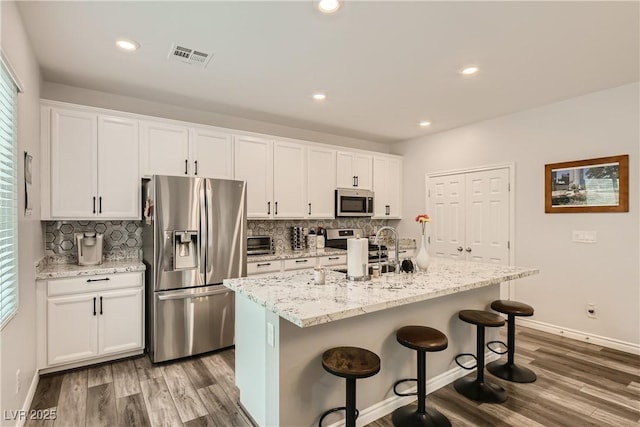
(478, 389)
(509, 370)
(423, 340)
(350, 363)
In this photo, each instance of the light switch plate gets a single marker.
(588, 236)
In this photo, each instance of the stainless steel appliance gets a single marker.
(259, 245)
(337, 238)
(350, 202)
(89, 246)
(194, 236)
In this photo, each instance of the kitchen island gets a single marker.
(284, 323)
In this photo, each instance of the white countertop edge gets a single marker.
(57, 271)
(352, 312)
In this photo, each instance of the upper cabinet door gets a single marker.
(354, 170)
(387, 177)
(380, 184)
(289, 180)
(321, 182)
(165, 149)
(394, 188)
(73, 164)
(118, 173)
(211, 154)
(253, 163)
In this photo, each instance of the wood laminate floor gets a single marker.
(579, 384)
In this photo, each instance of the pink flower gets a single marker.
(422, 219)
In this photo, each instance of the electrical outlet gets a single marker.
(18, 384)
(585, 236)
(591, 310)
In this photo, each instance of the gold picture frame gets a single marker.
(592, 185)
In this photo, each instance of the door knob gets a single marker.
(459, 248)
(468, 249)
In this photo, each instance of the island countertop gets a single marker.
(294, 297)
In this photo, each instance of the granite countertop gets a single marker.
(291, 254)
(294, 297)
(56, 271)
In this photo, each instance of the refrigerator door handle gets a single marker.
(204, 229)
(190, 294)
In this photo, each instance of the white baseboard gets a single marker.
(627, 347)
(387, 406)
(29, 398)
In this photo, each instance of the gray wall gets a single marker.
(600, 124)
(18, 338)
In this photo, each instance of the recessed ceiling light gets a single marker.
(328, 6)
(128, 45)
(425, 123)
(469, 70)
(319, 96)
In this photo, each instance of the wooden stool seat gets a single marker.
(481, 318)
(512, 307)
(351, 362)
(422, 338)
(509, 370)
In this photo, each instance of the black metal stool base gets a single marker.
(407, 416)
(514, 373)
(480, 391)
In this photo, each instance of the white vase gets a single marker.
(422, 257)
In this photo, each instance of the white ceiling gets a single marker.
(384, 65)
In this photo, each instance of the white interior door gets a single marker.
(470, 215)
(447, 212)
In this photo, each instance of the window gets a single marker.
(8, 196)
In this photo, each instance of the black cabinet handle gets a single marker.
(100, 305)
(309, 208)
(302, 260)
(333, 258)
(264, 264)
(186, 166)
(354, 180)
(387, 210)
(100, 204)
(94, 205)
(268, 208)
(276, 212)
(196, 163)
(357, 181)
(97, 280)
(94, 306)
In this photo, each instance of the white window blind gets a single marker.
(8, 197)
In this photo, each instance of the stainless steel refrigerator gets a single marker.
(194, 236)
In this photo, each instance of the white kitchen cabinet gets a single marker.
(354, 170)
(289, 180)
(333, 260)
(90, 318)
(164, 148)
(93, 165)
(210, 153)
(321, 182)
(298, 263)
(262, 267)
(253, 163)
(387, 188)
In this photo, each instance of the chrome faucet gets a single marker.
(376, 241)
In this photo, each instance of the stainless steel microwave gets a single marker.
(351, 202)
(259, 245)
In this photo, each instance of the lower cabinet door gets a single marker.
(71, 328)
(120, 321)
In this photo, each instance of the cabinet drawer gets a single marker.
(73, 285)
(296, 264)
(333, 260)
(263, 267)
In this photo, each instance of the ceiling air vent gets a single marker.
(189, 56)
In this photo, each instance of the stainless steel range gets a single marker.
(194, 236)
(337, 238)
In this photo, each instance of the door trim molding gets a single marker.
(506, 289)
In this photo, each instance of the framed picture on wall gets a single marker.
(593, 185)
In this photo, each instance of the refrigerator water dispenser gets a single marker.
(185, 250)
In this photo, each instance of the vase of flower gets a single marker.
(422, 257)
